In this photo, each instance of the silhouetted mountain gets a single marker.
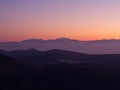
(15, 75)
(6, 59)
(51, 56)
(32, 40)
(91, 47)
(55, 56)
(59, 76)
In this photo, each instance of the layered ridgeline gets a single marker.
(62, 56)
(58, 72)
(91, 47)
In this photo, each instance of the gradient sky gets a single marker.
(46, 19)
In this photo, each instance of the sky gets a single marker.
(48, 19)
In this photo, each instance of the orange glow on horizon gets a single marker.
(45, 19)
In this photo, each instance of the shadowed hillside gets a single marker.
(39, 57)
(54, 56)
(15, 75)
(57, 75)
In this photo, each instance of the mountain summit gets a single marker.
(41, 40)
(111, 46)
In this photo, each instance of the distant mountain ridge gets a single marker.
(49, 40)
(105, 46)
(68, 39)
(62, 39)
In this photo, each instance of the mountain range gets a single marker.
(111, 46)
(56, 56)
(58, 70)
(15, 74)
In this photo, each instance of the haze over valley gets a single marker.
(110, 46)
(59, 44)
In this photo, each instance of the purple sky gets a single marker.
(78, 19)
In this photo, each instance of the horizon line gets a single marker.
(58, 39)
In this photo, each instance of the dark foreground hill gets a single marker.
(76, 77)
(39, 57)
(16, 75)
(54, 56)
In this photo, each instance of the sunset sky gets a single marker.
(48, 19)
